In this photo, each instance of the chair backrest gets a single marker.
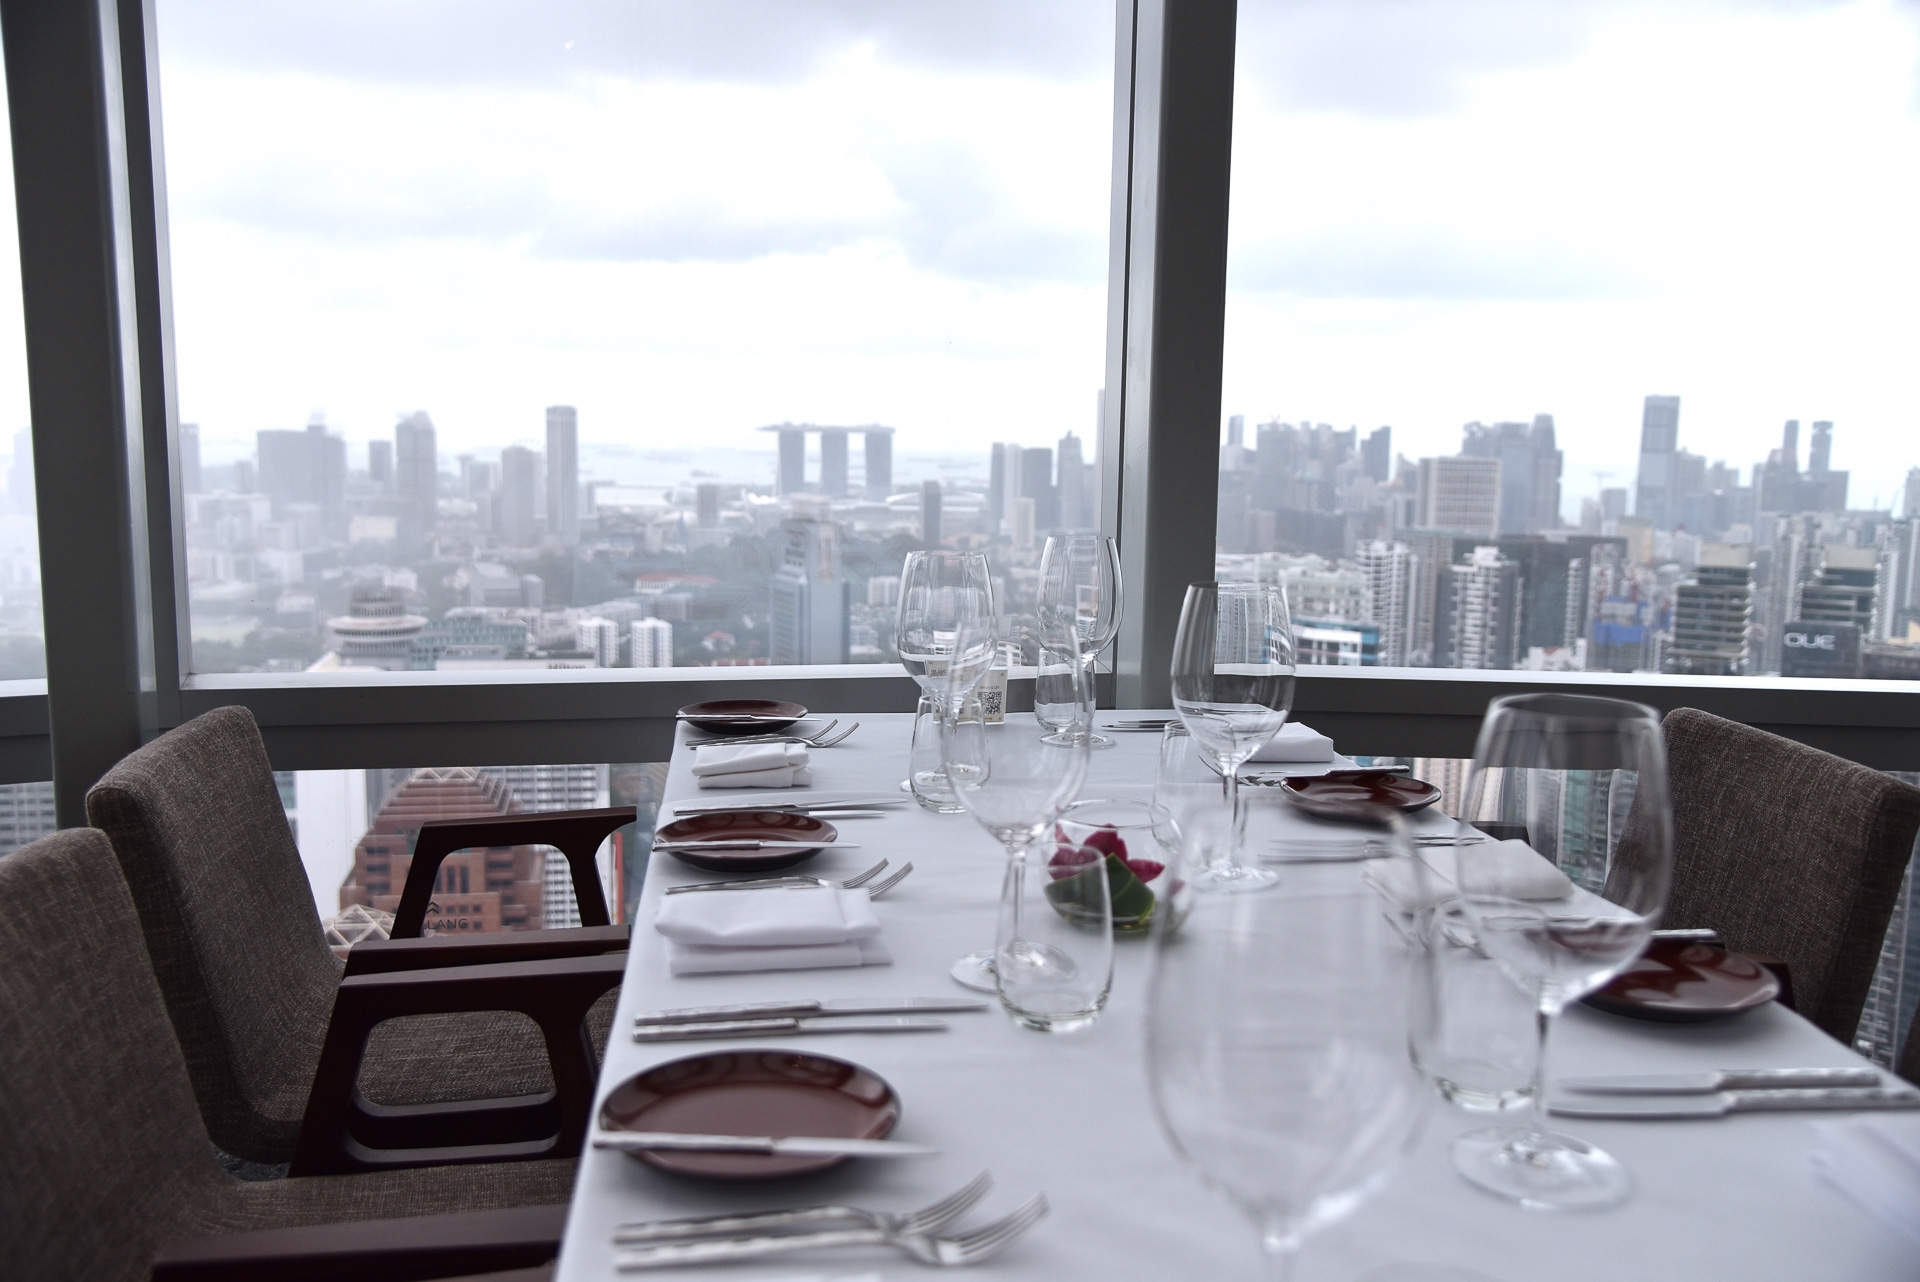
(201, 835)
(1787, 850)
(103, 1156)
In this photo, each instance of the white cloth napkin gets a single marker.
(789, 929)
(1520, 873)
(1296, 742)
(1876, 1165)
(751, 765)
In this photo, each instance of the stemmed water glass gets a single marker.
(941, 593)
(1548, 763)
(1278, 1030)
(1014, 777)
(1233, 685)
(1079, 609)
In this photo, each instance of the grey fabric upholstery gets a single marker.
(1787, 850)
(103, 1154)
(202, 838)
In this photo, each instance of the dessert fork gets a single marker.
(789, 879)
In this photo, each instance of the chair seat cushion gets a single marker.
(445, 1059)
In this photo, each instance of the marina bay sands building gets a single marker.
(833, 459)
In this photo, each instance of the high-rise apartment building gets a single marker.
(600, 638)
(380, 465)
(1713, 614)
(1376, 455)
(1529, 471)
(1075, 507)
(513, 505)
(930, 532)
(416, 476)
(549, 788)
(1003, 482)
(563, 473)
(1659, 439)
(1460, 493)
(1477, 616)
(1844, 589)
(1036, 483)
(1391, 571)
(1910, 495)
(1021, 523)
(809, 619)
(652, 643)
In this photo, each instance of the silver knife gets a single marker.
(782, 1145)
(785, 1026)
(755, 845)
(832, 1006)
(1727, 1079)
(1627, 1107)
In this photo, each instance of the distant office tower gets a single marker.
(1820, 449)
(1477, 623)
(792, 476)
(1529, 471)
(1460, 493)
(1392, 582)
(563, 473)
(706, 504)
(1897, 606)
(879, 462)
(996, 486)
(1376, 455)
(548, 788)
(1036, 483)
(833, 462)
(306, 467)
(1910, 503)
(809, 620)
(1822, 489)
(652, 641)
(1659, 438)
(1713, 613)
(513, 506)
(1845, 589)
(1237, 430)
(930, 514)
(380, 465)
(1020, 523)
(1075, 512)
(416, 475)
(600, 638)
(190, 480)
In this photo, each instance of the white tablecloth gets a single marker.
(1069, 1114)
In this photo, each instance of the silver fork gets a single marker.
(927, 1219)
(881, 889)
(951, 1252)
(821, 738)
(791, 879)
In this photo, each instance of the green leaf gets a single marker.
(1132, 901)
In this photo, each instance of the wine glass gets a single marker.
(1233, 685)
(1546, 763)
(1014, 777)
(1278, 1038)
(1079, 605)
(940, 592)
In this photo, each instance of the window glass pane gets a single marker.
(506, 334)
(356, 829)
(1576, 336)
(22, 643)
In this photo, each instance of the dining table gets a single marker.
(1070, 1114)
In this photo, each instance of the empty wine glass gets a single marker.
(1079, 605)
(1550, 764)
(1015, 778)
(940, 592)
(1233, 684)
(1278, 1031)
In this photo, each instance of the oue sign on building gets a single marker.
(1820, 650)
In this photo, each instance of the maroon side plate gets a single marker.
(743, 716)
(1685, 982)
(747, 825)
(1339, 796)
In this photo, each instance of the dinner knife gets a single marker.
(779, 1145)
(832, 1006)
(786, 1026)
(1629, 1107)
(1726, 1079)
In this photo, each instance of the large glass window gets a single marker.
(22, 638)
(1576, 336)
(624, 334)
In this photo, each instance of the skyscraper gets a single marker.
(1036, 483)
(600, 638)
(416, 475)
(1376, 459)
(1390, 569)
(706, 500)
(1075, 512)
(563, 473)
(930, 514)
(380, 465)
(879, 463)
(190, 481)
(1477, 623)
(809, 620)
(652, 643)
(1712, 614)
(308, 466)
(833, 462)
(1529, 471)
(513, 505)
(1460, 493)
(1910, 501)
(1659, 438)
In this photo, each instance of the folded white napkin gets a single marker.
(751, 765)
(1296, 742)
(742, 930)
(1875, 1163)
(1519, 872)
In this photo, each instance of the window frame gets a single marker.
(90, 179)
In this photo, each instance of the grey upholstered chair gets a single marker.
(202, 838)
(1787, 850)
(103, 1155)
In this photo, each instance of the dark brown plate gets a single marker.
(747, 825)
(743, 716)
(1342, 796)
(1682, 981)
(763, 1092)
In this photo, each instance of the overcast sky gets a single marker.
(693, 218)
